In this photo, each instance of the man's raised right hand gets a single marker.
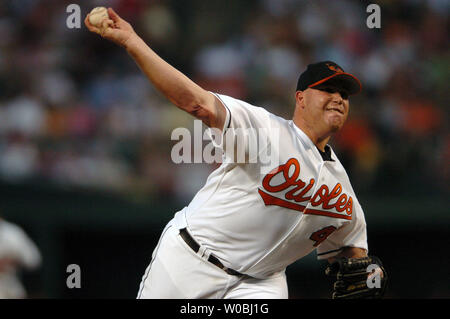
(114, 29)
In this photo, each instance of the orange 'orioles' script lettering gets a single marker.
(323, 197)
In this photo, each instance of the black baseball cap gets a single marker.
(331, 73)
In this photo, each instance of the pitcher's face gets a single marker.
(325, 108)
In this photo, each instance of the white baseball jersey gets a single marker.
(258, 219)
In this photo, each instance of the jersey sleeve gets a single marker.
(19, 246)
(353, 234)
(245, 130)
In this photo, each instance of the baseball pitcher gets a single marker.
(255, 217)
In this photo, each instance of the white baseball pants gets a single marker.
(177, 272)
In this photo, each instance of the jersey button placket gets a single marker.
(319, 181)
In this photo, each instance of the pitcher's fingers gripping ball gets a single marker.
(98, 20)
(97, 15)
(355, 278)
(108, 24)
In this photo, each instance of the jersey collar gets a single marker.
(308, 143)
(302, 135)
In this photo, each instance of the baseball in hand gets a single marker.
(97, 15)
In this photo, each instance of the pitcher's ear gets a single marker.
(299, 98)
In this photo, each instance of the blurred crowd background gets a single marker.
(77, 113)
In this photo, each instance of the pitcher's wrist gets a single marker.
(132, 43)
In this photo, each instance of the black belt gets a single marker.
(212, 259)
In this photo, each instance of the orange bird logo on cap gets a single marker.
(334, 68)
